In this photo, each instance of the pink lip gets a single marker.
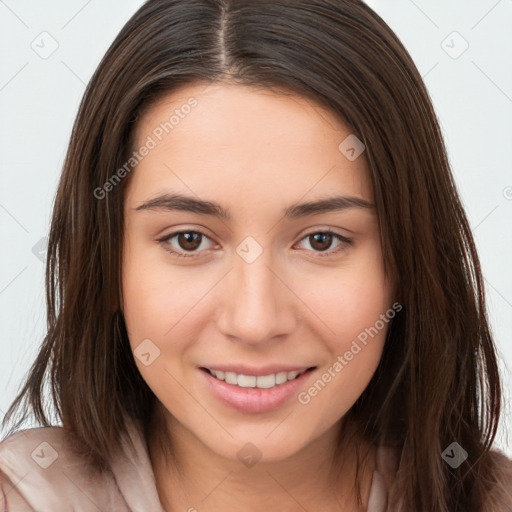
(254, 399)
(247, 370)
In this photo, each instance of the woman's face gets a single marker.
(252, 249)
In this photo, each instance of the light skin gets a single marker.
(255, 153)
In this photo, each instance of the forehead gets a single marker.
(264, 145)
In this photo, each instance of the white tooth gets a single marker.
(266, 381)
(251, 381)
(230, 377)
(281, 377)
(246, 381)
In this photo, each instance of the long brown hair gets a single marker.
(438, 379)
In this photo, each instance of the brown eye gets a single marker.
(186, 243)
(189, 241)
(321, 241)
(326, 242)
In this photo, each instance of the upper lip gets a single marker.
(256, 372)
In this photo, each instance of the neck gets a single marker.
(194, 478)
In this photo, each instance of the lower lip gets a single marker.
(254, 399)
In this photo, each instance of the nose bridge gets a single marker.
(255, 307)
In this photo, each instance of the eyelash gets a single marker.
(344, 242)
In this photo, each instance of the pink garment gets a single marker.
(38, 471)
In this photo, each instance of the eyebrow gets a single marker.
(172, 202)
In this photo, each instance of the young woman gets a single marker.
(262, 287)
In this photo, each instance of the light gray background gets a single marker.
(471, 91)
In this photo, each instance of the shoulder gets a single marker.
(500, 496)
(40, 470)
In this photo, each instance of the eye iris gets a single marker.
(189, 241)
(321, 241)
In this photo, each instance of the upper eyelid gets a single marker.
(302, 234)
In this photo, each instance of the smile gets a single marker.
(253, 381)
(255, 393)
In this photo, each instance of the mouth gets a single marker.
(250, 393)
(268, 381)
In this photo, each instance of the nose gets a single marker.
(256, 306)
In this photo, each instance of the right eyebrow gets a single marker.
(184, 203)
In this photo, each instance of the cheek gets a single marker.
(165, 311)
(349, 298)
(354, 304)
(354, 355)
(341, 383)
(155, 310)
(156, 298)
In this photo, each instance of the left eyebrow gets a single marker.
(172, 202)
(336, 203)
